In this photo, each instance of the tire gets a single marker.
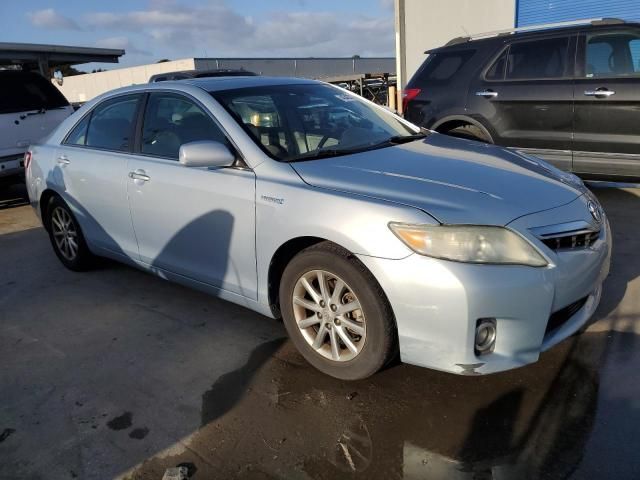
(64, 233)
(370, 328)
(469, 132)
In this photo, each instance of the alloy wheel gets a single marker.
(329, 315)
(65, 233)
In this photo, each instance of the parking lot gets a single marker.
(115, 373)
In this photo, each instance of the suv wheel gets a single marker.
(66, 237)
(336, 314)
(470, 132)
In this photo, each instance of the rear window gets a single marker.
(441, 66)
(25, 91)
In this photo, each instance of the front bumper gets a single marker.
(437, 303)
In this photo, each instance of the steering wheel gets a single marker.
(322, 141)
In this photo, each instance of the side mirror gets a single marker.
(205, 153)
(57, 76)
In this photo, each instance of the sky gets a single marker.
(150, 30)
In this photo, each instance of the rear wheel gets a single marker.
(66, 237)
(470, 132)
(336, 313)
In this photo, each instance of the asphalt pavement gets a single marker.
(117, 374)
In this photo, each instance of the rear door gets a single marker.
(526, 96)
(607, 104)
(30, 108)
(92, 173)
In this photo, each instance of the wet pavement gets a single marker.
(114, 373)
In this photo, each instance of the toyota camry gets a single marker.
(370, 237)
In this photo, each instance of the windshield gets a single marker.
(295, 122)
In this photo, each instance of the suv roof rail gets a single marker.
(542, 26)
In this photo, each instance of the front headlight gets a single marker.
(469, 243)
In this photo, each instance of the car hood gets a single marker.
(456, 181)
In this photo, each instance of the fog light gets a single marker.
(485, 335)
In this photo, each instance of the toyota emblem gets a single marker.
(595, 211)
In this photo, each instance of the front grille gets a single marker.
(559, 318)
(568, 241)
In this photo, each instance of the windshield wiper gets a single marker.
(398, 139)
(334, 152)
(325, 153)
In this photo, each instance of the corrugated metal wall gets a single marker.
(532, 12)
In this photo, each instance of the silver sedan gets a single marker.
(369, 236)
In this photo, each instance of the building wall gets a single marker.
(425, 24)
(81, 88)
(533, 12)
(302, 67)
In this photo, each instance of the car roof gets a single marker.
(212, 84)
(470, 42)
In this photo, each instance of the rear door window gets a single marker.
(26, 91)
(442, 66)
(612, 55)
(111, 124)
(538, 59)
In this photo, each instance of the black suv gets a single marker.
(569, 95)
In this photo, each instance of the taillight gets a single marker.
(408, 95)
(27, 159)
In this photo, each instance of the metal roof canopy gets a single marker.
(52, 56)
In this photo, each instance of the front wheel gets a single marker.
(336, 314)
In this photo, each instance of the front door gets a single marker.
(527, 97)
(607, 104)
(198, 223)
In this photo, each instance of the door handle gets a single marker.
(599, 93)
(63, 160)
(487, 94)
(139, 175)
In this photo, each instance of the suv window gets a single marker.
(441, 66)
(496, 71)
(537, 59)
(172, 120)
(24, 91)
(111, 124)
(612, 54)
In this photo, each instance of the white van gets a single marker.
(30, 108)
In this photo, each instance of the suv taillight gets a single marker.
(408, 95)
(27, 159)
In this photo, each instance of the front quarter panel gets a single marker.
(287, 208)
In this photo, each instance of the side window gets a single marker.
(537, 59)
(78, 135)
(496, 71)
(441, 66)
(172, 120)
(111, 124)
(612, 55)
